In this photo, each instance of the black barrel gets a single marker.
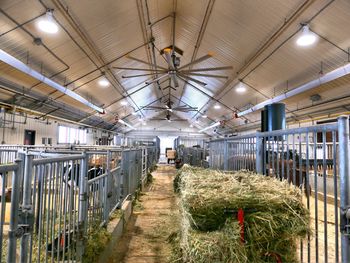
(263, 120)
(275, 118)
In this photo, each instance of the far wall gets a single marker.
(42, 129)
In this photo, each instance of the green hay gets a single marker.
(97, 240)
(275, 217)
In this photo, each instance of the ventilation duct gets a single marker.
(330, 76)
(17, 64)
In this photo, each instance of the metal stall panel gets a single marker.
(315, 159)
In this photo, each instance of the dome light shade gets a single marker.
(241, 88)
(47, 24)
(217, 106)
(306, 37)
(103, 82)
(124, 102)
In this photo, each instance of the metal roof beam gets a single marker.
(19, 65)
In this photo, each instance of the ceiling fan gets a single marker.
(174, 70)
(168, 107)
(167, 118)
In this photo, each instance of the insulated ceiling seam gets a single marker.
(91, 46)
(15, 63)
(204, 24)
(235, 79)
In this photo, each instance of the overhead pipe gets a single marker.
(210, 127)
(267, 45)
(330, 76)
(67, 15)
(12, 61)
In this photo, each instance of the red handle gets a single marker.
(240, 216)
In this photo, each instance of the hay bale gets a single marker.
(274, 216)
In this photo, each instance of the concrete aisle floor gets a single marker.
(145, 239)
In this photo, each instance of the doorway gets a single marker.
(165, 142)
(29, 137)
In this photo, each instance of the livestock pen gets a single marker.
(305, 157)
(52, 197)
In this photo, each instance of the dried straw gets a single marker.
(274, 216)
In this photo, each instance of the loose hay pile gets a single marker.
(274, 217)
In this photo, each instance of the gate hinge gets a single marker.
(345, 221)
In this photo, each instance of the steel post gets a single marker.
(107, 189)
(27, 205)
(259, 154)
(225, 155)
(83, 204)
(125, 173)
(13, 226)
(344, 174)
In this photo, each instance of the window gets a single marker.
(71, 135)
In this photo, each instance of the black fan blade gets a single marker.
(156, 79)
(206, 69)
(203, 84)
(204, 75)
(140, 69)
(145, 62)
(196, 61)
(139, 75)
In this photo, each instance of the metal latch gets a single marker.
(345, 221)
(25, 223)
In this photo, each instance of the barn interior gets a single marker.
(98, 96)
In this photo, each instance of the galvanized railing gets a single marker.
(192, 155)
(294, 155)
(51, 200)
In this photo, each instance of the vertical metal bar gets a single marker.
(54, 212)
(278, 166)
(335, 182)
(26, 202)
(288, 160)
(259, 154)
(108, 189)
(12, 242)
(48, 207)
(63, 183)
(41, 233)
(269, 156)
(293, 157)
(308, 194)
(273, 158)
(344, 174)
(283, 160)
(301, 183)
(325, 197)
(316, 195)
(3, 209)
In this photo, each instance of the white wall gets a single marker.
(42, 128)
(166, 142)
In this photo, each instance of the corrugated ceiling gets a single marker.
(232, 30)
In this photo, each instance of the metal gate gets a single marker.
(316, 159)
(58, 196)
